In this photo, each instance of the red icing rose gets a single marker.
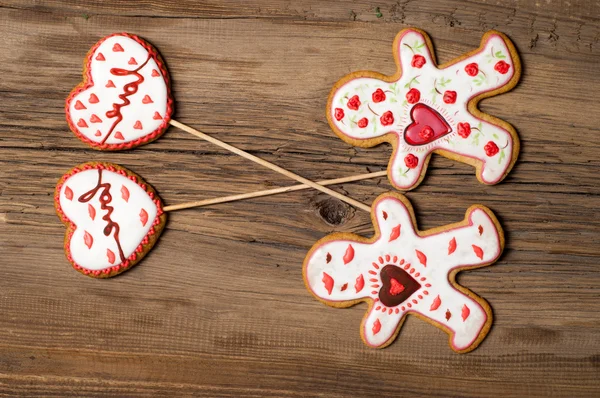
(472, 69)
(491, 148)
(502, 67)
(339, 114)
(426, 133)
(387, 118)
(354, 103)
(362, 123)
(411, 161)
(413, 96)
(378, 95)
(464, 130)
(450, 97)
(418, 61)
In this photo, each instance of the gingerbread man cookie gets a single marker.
(426, 108)
(113, 218)
(402, 271)
(125, 98)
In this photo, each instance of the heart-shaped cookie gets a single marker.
(125, 99)
(427, 125)
(113, 218)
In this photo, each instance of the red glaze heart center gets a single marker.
(395, 287)
(427, 126)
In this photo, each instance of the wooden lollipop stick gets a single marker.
(274, 191)
(270, 165)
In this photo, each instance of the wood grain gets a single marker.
(218, 308)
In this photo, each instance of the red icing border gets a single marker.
(131, 260)
(89, 82)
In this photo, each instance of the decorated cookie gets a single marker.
(426, 108)
(113, 218)
(403, 271)
(125, 99)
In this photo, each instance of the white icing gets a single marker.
(464, 85)
(126, 214)
(438, 265)
(153, 86)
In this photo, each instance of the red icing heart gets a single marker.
(117, 48)
(110, 84)
(427, 126)
(100, 57)
(93, 99)
(155, 73)
(119, 136)
(79, 105)
(147, 100)
(132, 61)
(156, 116)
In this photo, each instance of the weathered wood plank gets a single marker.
(219, 308)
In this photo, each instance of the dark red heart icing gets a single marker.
(427, 126)
(398, 285)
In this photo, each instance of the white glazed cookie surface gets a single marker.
(128, 97)
(347, 270)
(111, 214)
(366, 108)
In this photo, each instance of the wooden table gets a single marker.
(219, 308)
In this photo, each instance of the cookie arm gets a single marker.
(477, 243)
(492, 67)
(335, 271)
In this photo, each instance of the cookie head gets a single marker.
(426, 108)
(125, 99)
(113, 218)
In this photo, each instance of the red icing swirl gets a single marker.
(105, 199)
(128, 90)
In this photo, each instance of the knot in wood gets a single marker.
(333, 211)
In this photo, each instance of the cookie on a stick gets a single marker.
(125, 101)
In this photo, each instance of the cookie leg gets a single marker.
(463, 318)
(379, 326)
(407, 167)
